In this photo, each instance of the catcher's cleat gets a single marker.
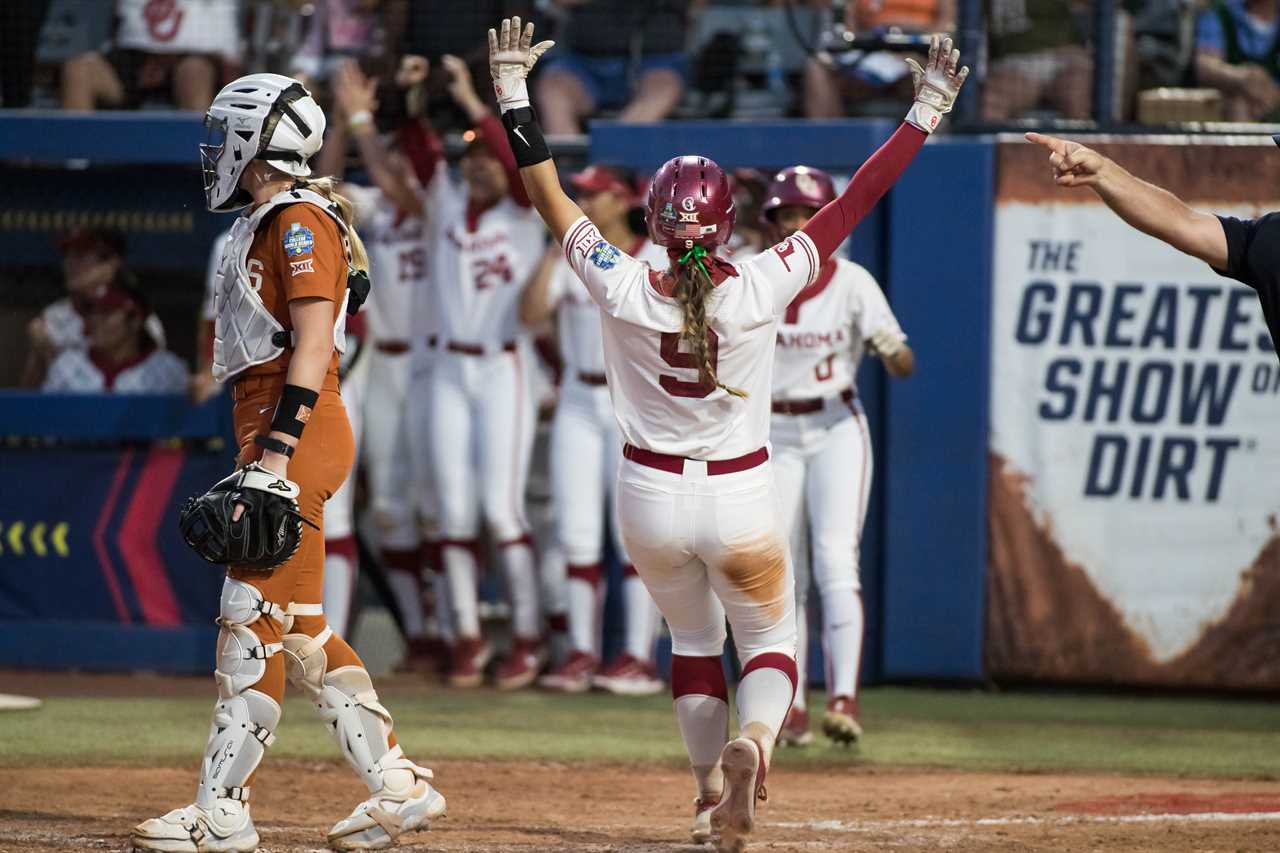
(734, 816)
(701, 832)
(795, 729)
(224, 828)
(470, 655)
(380, 820)
(572, 676)
(629, 676)
(842, 720)
(521, 668)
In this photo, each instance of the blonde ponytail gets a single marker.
(327, 187)
(693, 286)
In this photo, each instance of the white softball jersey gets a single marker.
(77, 371)
(179, 26)
(480, 264)
(820, 338)
(662, 400)
(398, 264)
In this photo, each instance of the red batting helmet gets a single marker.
(690, 203)
(802, 186)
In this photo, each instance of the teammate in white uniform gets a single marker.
(822, 447)
(586, 449)
(485, 242)
(689, 357)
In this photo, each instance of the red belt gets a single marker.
(809, 406)
(592, 378)
(675, 464)
(392, 347)
(476, 349)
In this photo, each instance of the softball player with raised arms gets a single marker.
(689, 355)
(822, 446)
(282, 300)
(586, 449)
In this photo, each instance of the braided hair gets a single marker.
(693, 286)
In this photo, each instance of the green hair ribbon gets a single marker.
(695, 255)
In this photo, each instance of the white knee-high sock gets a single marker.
(641, 615)
(520, 563)
(842, 635)
(702, 710)
(765, 692)
(340, 562)
(584, 607)
(460, 569)
(403, 567)
(802, 654)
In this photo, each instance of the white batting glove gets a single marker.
(885, 343)
(512, 55)
(937, 84)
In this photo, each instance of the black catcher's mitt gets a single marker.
(268, 532)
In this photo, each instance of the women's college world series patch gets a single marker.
(298, 240)
(604, 255)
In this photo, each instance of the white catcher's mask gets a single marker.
(259, 117)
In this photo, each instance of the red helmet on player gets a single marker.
(802, 186)
(690, 203)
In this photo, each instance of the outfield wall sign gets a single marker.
(1135, 448)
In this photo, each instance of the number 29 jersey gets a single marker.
(662, 398)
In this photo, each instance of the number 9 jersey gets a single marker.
(664, 401)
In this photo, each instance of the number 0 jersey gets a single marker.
(820, 338)
(663, 400)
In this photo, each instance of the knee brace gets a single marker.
(242, 655)
(305, 660)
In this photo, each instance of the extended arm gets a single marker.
(489, 125)
(1150, 209)
(355, 95)
(535, 300)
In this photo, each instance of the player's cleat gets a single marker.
(795, 728)
(629, 676)
(425, 656)
(572, 676)
(701, 832)
(842, 721)
(521, 668)
(470, 655)
(734, 816)
(226, 828)
(380, 820)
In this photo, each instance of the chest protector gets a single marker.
(245, 333)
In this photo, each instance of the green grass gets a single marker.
(970, 730)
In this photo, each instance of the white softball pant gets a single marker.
(385, 450)
(711, 546)
(586, 448)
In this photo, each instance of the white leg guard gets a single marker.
(401, 799)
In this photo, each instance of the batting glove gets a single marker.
(512, 55)
(937, 84)
(885, 343)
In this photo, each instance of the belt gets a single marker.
(675, 464)
(463, 348)
(810, 405)
(587, 378)
(392, 347)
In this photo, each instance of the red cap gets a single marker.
(802, 186)
(116, 296)
(690, 203)
(85, 238)
(602, 179)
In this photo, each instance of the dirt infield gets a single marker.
(526, 807)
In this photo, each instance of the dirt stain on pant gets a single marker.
(759, 570)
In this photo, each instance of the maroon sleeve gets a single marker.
(836, 221)
(421, 144)
(495, 137)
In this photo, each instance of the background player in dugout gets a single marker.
(698, 506)
(281, 307)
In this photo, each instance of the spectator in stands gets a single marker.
(1236, 52)
(339, 30)
(614, 54)
(831, 82)
(122, 356)
(92, 260)
(20, 22)
(1038, 59)
(175, 51)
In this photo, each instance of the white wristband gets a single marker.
(924, 117)
(512, 92)
(359, 119)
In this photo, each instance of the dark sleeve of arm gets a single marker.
(831, 225)
(1240, 234)
(495, 137)
(421, 144)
